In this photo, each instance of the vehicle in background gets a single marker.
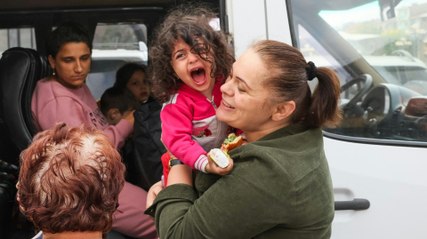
(376, 155)
(378, 48)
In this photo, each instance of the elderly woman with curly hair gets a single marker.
(69, 183)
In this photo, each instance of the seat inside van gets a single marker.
(20, 69)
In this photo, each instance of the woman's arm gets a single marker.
(118, 133)
(180, 174)
(73, 113)
(236, 206)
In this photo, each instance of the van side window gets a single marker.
(115, 44)
(13, 37)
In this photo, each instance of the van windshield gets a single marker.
(379, 50)
(391, 38)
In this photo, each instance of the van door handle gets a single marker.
(355, 204)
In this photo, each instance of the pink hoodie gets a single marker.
(190, 127)
(52, 103)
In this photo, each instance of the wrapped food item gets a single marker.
(220, 156)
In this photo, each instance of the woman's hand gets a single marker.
(152, 193)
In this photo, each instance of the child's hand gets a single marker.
(128, 115)
(213, 168)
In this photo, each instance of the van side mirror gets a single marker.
(417, 106)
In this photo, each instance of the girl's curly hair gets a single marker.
(191, 24)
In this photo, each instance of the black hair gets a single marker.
(114, 97)
(125, 72)
(191, 23)
(65, 33)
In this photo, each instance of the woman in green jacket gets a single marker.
(280, 186)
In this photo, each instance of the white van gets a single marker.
(378, 155)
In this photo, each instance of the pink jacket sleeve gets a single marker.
(119, 132)
(177, 134)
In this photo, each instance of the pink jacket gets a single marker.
(189, 125)
(52, 103)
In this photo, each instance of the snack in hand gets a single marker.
(232, 141)
(221, 158)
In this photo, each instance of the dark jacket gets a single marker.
(143, 150)
(280, 187)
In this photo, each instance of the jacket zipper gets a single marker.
(212, 102)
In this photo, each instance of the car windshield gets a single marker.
(379, 50)
(391, 38)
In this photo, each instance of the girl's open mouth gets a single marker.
(199, 76)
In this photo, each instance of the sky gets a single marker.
(360, 14)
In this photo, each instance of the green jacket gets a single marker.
(280, 187)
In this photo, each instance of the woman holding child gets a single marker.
(280, 186)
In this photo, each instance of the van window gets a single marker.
(114, 45)
(383, 58)
(119, 35)
(13, 37)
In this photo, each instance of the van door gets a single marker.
(378, 48)
(377, 154)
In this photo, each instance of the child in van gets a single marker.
(142, 151)
(114, 104)
(189, 62)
